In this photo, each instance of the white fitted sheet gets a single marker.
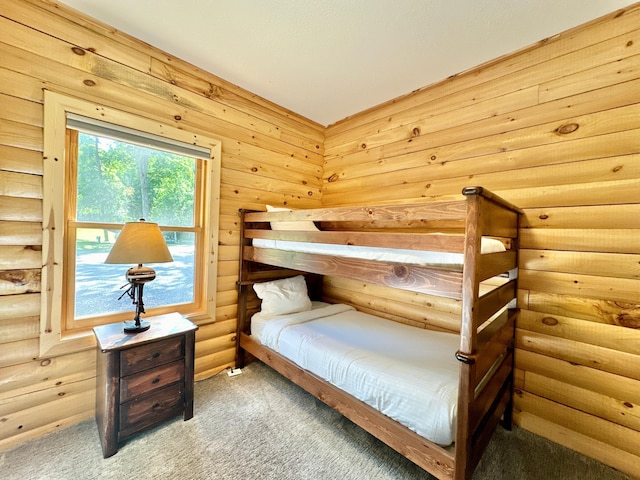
(406, 373)
(395, 255)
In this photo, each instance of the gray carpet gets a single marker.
(258, 425)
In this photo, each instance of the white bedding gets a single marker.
(407, 373)
(396, 255)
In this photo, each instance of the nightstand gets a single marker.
(143, 379)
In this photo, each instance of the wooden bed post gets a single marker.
(244, 286)
(486, 392)
(470, 289)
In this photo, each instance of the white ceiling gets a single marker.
(327, 59)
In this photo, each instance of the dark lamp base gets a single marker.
(131, 327)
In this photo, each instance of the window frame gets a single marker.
(55, 335)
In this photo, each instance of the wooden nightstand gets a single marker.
(143, 379)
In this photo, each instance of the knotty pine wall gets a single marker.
(269, 155)
(555, 129)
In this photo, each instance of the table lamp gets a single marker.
(138, 243)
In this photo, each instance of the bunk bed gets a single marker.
(278, 246)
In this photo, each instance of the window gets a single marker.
(118, 167)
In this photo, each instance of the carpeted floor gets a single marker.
(258, 425)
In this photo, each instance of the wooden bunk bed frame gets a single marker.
(486, 340)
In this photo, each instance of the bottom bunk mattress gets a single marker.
(406, 373)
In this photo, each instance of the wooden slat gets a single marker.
(577, 239)
(585, 192)
(377, 213)
(13, 406)
(617, 289)
(20, 135)
(490, 303)
(597, 216)
(20, 233)
(44, 414)
(16, 329)
(493, 342)
(210, 365)
(492, 264)
(491, 389)
(20, 85)
(15, 257)
(22, 185)
(618, 265)
(617, 71)
(20, 209)
(16, 306)
(19, 110)
(434, 243)
(301, 188)
(624, 314)
(19, 160)
(596, 357)
(584, 331)
(499, 221)
(406, 277)
(16, 282)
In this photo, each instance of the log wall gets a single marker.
(269, 155)
(555, 129)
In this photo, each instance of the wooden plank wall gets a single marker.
(269, 156)
(555, 129)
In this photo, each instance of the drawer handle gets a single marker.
(155, 380)
(155, 355)
(155, 405)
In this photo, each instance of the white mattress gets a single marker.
(395, 255)
(407, 373)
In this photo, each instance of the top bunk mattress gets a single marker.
(392, 255)
(404, 372)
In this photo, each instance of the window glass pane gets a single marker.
(119, 182)
(98, 285)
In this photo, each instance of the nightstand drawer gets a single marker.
(140, 358)
(150, 380)
(160, 405)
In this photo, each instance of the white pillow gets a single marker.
(281, 297)
(302, 225)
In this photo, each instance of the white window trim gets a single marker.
(53, 340)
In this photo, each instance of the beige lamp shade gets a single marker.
(139, 242)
